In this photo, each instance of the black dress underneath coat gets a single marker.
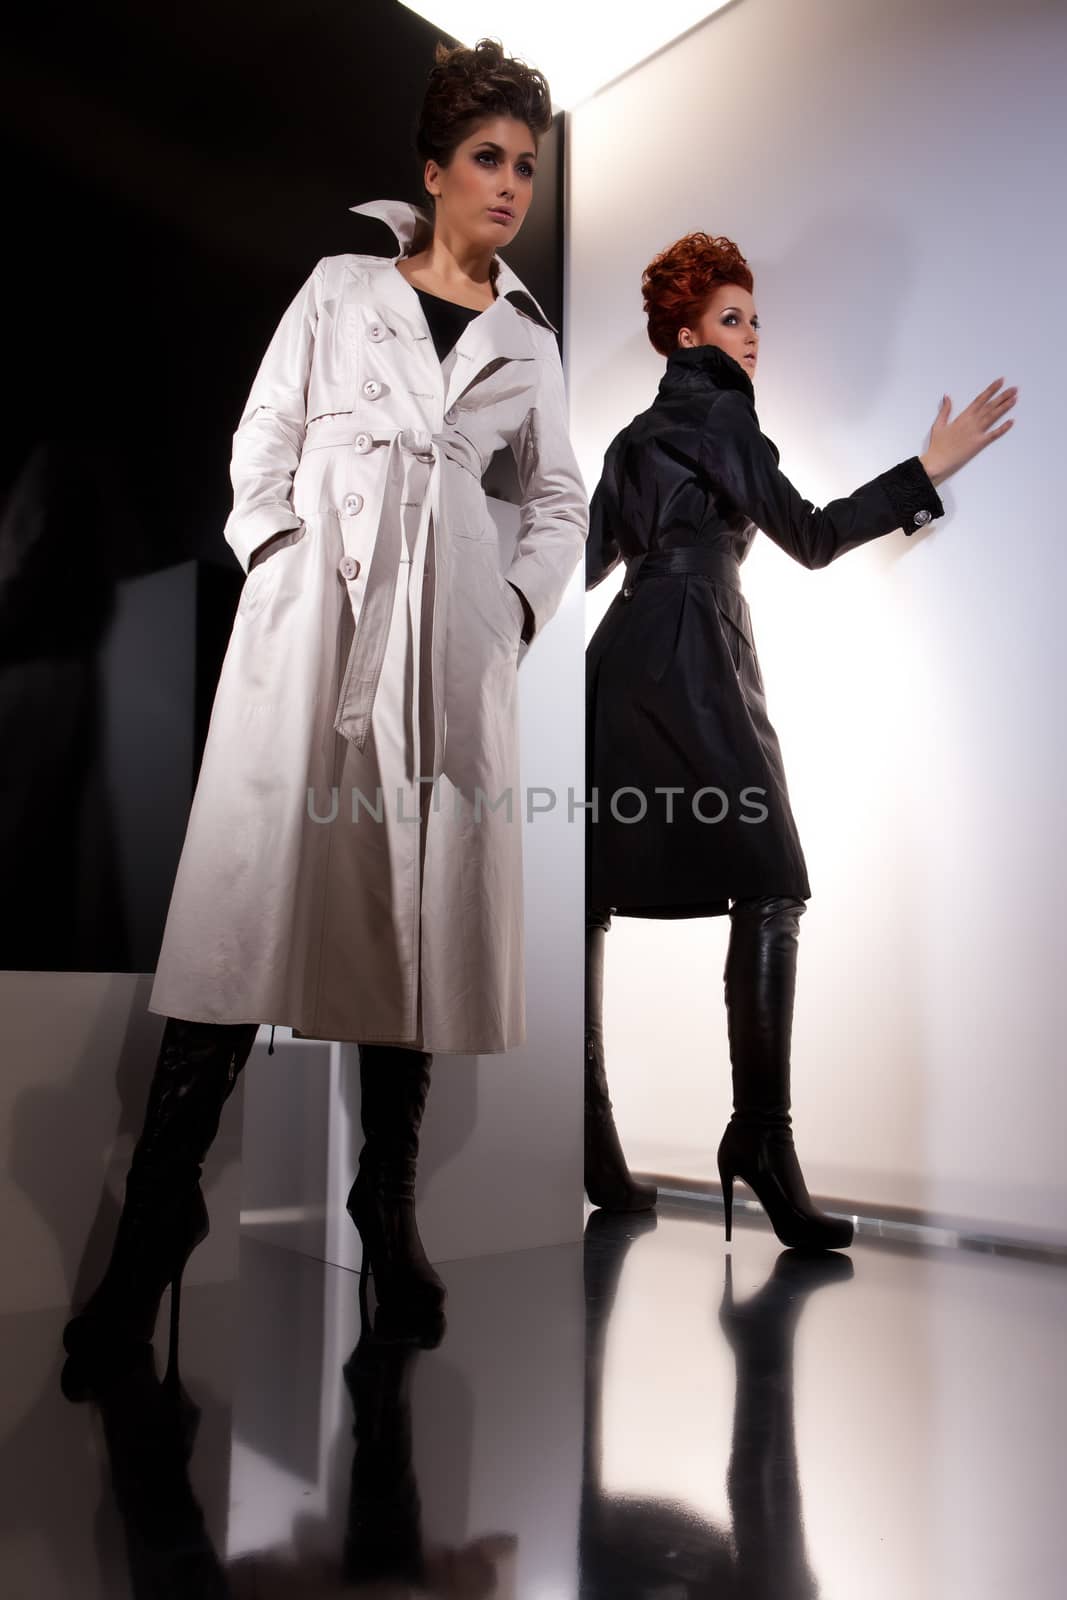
(674, 695)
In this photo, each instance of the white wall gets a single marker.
(891, 174)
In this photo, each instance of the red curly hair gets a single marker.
(678, 284)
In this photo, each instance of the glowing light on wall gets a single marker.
(579, 48)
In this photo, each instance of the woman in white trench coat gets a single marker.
(352, 865)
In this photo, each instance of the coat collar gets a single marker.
(702, 365)
(504, 330)
(413, 227)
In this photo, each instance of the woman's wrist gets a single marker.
(933, 469)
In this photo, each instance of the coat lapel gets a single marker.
(498, 335)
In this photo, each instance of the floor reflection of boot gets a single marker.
(383, 1534)
(763, 1482)
(149, 1429)
(384, 1553)
(631, 1548)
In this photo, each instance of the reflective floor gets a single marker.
(656, 1416)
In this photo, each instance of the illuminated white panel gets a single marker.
(578, 48)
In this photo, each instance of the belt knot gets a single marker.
(419, 442)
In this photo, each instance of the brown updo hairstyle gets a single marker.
(678, 284)
(470, 86)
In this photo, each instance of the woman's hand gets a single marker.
(953, 444)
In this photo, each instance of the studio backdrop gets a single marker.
(886, 172)
(173, 177)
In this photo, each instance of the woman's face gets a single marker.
(729, 321)
(484, 193)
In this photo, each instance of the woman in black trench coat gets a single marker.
(691, 813)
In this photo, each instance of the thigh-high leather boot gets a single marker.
(760, 979)
(608, 1182)
(163, 1216)
(394, 1084)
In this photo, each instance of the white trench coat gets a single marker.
(352, 866)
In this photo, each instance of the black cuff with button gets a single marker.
(913, 496)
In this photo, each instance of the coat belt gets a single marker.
(717, 564)
(412, 475)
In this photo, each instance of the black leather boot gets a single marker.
(394, 1083)
(608, 1182)
(760, 978)
(163, 1217)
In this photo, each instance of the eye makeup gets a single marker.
(523, 164)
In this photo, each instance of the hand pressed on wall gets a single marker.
(955, 442)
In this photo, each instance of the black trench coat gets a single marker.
(674, 695)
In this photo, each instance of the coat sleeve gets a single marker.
(602, 553)
(270, 434)
(554, 510)
(741, 460)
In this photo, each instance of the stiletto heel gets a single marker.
(766, 1160)
(409, 1296)
(727, 1202)
(152, 1248)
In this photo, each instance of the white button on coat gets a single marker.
(340, 929)
(353, 505)
(348, 567)
(377, 332)
(372, 388)
(451, 414)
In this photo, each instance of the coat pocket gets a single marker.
(264, 571)
(515, 607)
(482, 596)
(737, 631)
